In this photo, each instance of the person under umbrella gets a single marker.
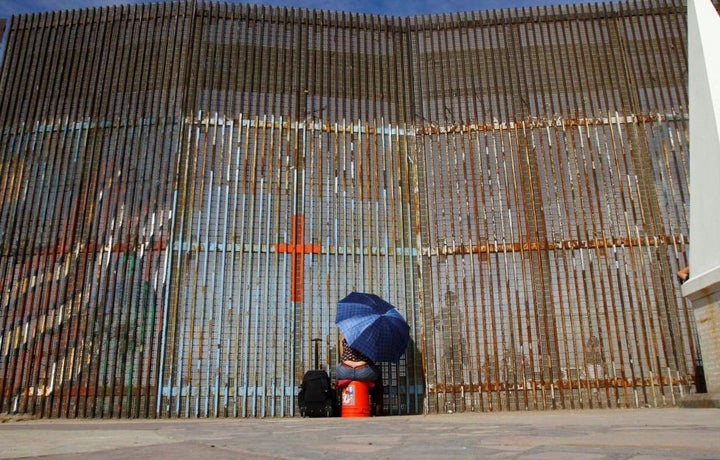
(354, 365)
(372, 330)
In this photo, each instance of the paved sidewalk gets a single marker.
(635, 434)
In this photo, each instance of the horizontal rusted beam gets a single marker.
(503, 247)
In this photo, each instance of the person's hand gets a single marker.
(683, 274)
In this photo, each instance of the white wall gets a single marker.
(704, 90)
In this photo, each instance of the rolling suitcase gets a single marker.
(316, 397)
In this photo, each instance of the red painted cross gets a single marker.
(298, 249)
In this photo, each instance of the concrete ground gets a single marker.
(636, 434)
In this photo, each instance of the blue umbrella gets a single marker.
(373, 326)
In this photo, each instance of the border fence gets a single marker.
(188, 188)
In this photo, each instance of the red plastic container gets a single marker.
(356, 399)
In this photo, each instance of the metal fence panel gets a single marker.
(187, 189)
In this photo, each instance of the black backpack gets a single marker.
(316, 397)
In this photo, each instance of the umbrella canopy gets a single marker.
(373, 326)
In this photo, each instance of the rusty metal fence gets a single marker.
(173, 247)
(580, 317)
